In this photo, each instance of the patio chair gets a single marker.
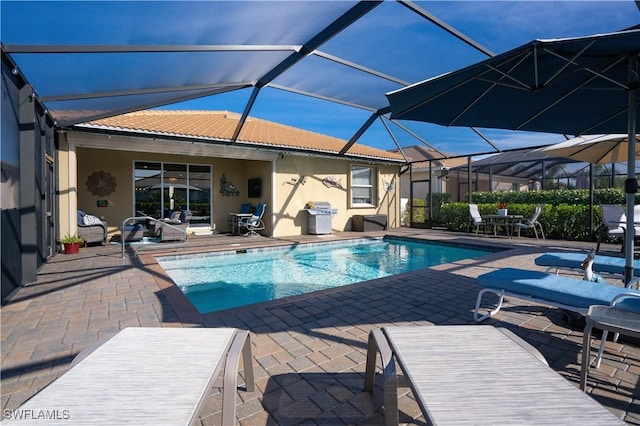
(174, 229)
(475, 219)
(461, 374)
(532, 223)
(91, 228)
(613, 219)
(253, 223)
(622, 316)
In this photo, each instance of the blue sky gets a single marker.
(497, 25)
(389, 39)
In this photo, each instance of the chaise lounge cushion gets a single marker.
(611, 264)
(554, 288)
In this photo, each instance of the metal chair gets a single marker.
(532, 223)
(475, 219)
(613, 218)
(253, 223)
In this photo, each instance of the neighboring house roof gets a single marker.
(219, 126)
(420, 156)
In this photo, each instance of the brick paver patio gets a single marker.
(309, 351)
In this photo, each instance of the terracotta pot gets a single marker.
(71, 248)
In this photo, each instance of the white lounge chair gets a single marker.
(470, 375)
(148, 376)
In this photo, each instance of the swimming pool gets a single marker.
(216, 281)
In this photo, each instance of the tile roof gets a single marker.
(220, 125)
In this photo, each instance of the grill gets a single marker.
(319, 219)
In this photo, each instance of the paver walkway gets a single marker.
(309, 350)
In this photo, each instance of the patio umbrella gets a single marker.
(595, 149)
(576, 86)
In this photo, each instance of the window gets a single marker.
(363, 186)
(161, 188)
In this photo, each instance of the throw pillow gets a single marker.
(91, 220)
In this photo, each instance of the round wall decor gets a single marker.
(101, 183)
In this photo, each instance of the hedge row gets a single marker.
(563, 222)
(553, 197)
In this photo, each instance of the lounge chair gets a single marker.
(621, 317)
(253, 223)
(149, 376)
(572, 260)
(566, 293)
(532, 223)
(475, 375)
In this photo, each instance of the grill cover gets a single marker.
(320, 207)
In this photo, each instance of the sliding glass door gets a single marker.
(162, 188)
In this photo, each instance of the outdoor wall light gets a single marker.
(15, 71)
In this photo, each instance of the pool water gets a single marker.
(216, 281)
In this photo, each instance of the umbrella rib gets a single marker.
(454, 87)
(495, 83)
(568, 61)
(578, 87)
(588, 69)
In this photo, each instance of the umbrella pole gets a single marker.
(631, 184)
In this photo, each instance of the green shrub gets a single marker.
(554, 197)
(563, 221)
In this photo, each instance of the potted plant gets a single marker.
(502, 208)
(71, 243)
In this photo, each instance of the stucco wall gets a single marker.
(121, 203)
(282, 190)
(291, 194)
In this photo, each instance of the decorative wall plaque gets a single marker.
(101, 183)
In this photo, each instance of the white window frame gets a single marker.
(372, 186)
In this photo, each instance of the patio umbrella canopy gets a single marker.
(573, 86)
(595, 149)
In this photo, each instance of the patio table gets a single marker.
(508, 221)
(234, 218)
(144, 376)
(477, 375)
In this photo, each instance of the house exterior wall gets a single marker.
(285, 201)
(291, 195)
(120, 203)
